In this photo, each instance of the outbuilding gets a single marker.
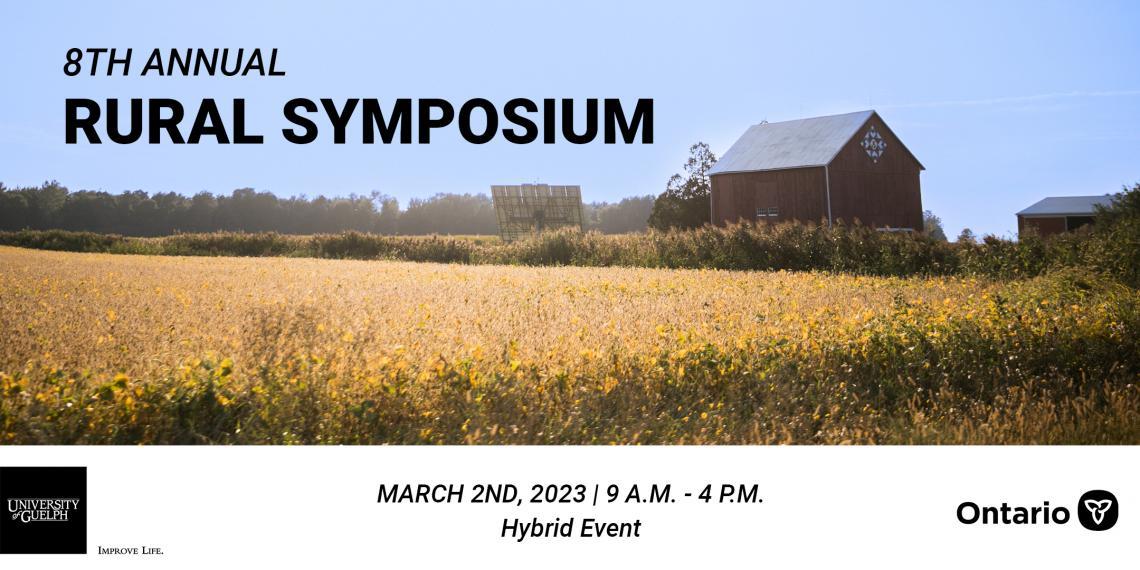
(848, 167)
(1058, 214)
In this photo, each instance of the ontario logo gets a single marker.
(44, 510)
(1096, 510)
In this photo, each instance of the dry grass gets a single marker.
(123, 349)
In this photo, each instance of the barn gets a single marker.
(841, 167)
(1059, 214)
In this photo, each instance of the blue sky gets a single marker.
(1003, 102)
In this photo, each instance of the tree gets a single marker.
(967, 236)
(1115, 242)
(389, 207)
(629, 215)
(1124, 205)
(200, 214)
(43, 204)
(685, 201)
(14, 211)
(466, 214)
(932, 226)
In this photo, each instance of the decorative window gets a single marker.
(874, 144)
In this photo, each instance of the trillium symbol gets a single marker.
(1098, 508)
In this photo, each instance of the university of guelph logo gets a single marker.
(44, 510)
(1098, 510)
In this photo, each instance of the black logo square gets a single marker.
(44, 510)
(1098, 510)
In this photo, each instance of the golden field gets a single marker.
(100, 348)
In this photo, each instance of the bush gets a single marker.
(60, 240)
(1112, 247)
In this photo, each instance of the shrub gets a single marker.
(1112, 248)
(60, 240)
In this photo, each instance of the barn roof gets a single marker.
(791, 144)
(1067, 206)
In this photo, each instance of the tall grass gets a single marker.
(133, 349)
(790, 246)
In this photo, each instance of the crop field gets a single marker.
(100, 348)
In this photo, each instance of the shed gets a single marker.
(849, 167)
(1058, 214)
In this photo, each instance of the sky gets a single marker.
(1003, 102)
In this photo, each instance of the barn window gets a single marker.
(761, 212)
(773, 212)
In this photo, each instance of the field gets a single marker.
(101, 348)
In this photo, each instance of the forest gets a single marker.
(139, 213)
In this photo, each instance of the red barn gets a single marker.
(1058, 214)
(841, 167)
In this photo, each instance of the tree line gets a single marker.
(683, 205)
(139, 213)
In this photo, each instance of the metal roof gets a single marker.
(791, 144)
(1067, 206)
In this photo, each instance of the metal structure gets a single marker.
(529, 209)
